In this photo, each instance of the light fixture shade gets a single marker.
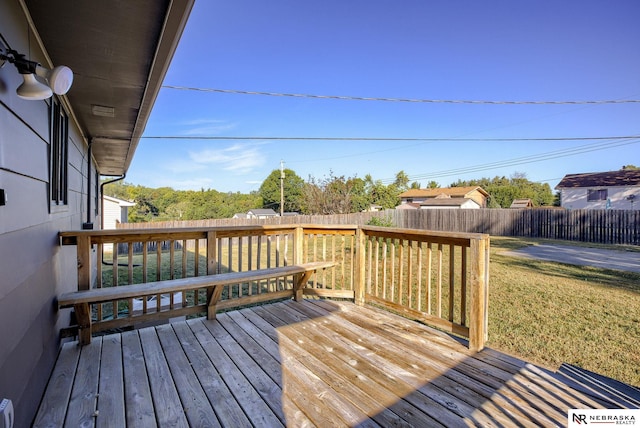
(60, 78)
(32, 89)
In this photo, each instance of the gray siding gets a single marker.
(34, 267)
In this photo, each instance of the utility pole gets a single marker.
(281, 188)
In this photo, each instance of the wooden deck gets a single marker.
(311, 363)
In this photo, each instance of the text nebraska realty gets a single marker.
(610, 419)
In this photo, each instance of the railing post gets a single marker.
(360, 267)
(213, 293)
(479, 294)
(298, 246)
(84, 261)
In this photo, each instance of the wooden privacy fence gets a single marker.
(439, 278)
(596, 226)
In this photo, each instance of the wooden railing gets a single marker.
(436, 277)
(399, 269)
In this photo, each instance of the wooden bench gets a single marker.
(82, 300)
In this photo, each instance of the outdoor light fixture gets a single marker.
(39, 82)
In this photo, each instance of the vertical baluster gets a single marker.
(100, 255)
(400, 271)
(410, 274)
(184, 258)
(428, 274)
(419, 246)
(158, 273)
(392, 259)
(184, 270)
(258, 259)
(439, 282)
(384, 269)
(463, 286)
(196, 262)
(376, 267)
(369, 265)
(452, 280)
(172, 258)
(352, 239)
(145, 265)
(269, 281)
(240, 260)
(115, 283)
(130, 274)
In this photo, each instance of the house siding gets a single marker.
(576, 198)
(35, 268)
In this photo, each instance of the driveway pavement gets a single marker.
(608, 259)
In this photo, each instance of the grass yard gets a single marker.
(550, 313)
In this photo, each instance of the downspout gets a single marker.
(88, 224)
(122, 177)
(102, 216)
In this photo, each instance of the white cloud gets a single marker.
(207, 127)
(239, 158)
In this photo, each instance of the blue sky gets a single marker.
(575, 50)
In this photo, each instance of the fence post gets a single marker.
(479, 293)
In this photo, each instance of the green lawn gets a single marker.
(550, 313)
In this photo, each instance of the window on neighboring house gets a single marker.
(59, 125)
(594, 195)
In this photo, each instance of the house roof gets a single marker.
(521, 203)
(408, 206)
(454, 192)
(263, 211)
(623, 177)
(446, 202)
(120, 202)
(119, 51)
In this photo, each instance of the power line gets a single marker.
(520, 161)
(397, 100)
(252, 138)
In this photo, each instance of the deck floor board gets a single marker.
(303, 364)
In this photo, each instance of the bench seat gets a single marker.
(82, 300)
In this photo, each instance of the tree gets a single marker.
(503, 190)
(628, 167)
(293, 191)
(402, 181)
(335, 195)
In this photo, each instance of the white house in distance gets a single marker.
(114, 211)
(471, 197)
(261, 213)
(616, 190)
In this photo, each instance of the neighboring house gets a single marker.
(240, 215)
(449, 203)
(616, 190)
(262, 213)
(373, 208)
(53, 152)
(521, 203)
(408, 206)
(419, 196)
(115, 211)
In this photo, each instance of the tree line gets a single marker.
(331, 194)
